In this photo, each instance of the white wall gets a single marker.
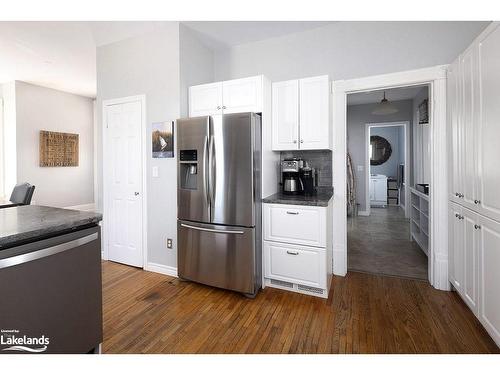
(147, 64)
(9, 137)
(349, 50)
(196, 64)
(39, 108)
(357, 118)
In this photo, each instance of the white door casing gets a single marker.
(124, 188)
(435, 77)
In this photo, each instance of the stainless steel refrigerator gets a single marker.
(219, 201)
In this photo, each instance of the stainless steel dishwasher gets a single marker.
(51, 294)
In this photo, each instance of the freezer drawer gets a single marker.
(218, 255)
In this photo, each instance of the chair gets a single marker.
(22, 194)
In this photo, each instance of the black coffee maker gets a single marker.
(290, 176)
(308, 178)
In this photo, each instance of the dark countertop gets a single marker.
(25, 223)
(321, 198)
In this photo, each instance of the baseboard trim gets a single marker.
(441, 281)
(160, 268)
(82, 207)
(363, 213)
(339, 261)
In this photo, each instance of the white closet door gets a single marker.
(454, 110)
(314, 99)
(489, 128)
(124, 182)
(456, 248)
(285, 108)
(469, 238)
(489, 279)
(469, 125)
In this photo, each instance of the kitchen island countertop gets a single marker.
(320, 199)
(23, 224)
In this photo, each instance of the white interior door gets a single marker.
(124, 185)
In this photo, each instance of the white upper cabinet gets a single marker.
(285, 104)
(469, 123)
(488, 131)
(242, 95)
(314, 113)
(455, 130)
(301, 114)
(205, 100)
(237, 95)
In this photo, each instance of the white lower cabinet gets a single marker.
(299, 264)
(474, 261)
(297, 248)
(489, 276)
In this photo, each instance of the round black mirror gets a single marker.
(380, 150)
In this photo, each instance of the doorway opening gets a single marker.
(388, 150)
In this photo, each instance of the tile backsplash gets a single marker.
(321, 160)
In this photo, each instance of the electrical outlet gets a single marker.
(169, 243)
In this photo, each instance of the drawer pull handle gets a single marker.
(292, 252)
(292, 212)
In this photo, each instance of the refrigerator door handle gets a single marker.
(206, 174)
(212, 230)
(212, 166)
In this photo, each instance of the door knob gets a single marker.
(136, 193)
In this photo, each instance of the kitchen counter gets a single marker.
(24, 224)
(320, 199)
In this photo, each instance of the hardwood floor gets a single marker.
(380, 244)
(146, 312)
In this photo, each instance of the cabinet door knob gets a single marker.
(218, 107)
(224, 107)
(476, 201)
(136, 193)
(457, 194)
(457, 215)
(477, 226)
(301, 141)
(294, 141)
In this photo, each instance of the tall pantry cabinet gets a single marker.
(474, 170)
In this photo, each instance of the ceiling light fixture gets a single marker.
(385, 107)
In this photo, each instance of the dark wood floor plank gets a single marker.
(145, 312)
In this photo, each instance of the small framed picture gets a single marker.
(162, 137)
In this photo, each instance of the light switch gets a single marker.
(155, 171)
(361, 168)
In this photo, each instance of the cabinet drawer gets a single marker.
(295, 224)
(296, 264)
